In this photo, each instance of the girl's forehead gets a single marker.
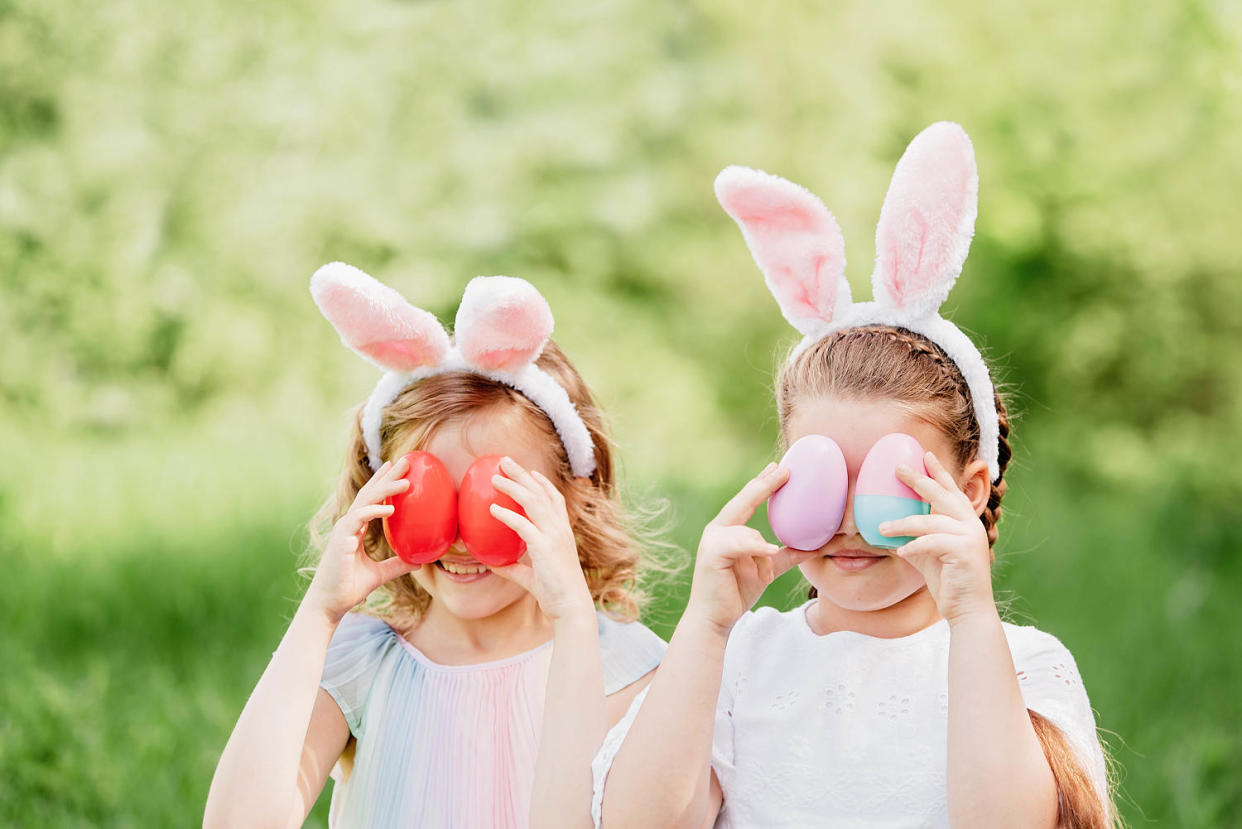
(856, 424)
(495, 431)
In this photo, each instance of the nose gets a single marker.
(847, 518)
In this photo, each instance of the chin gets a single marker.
(472, 601)
(883, 585)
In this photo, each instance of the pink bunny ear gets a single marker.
(927, 221)
(376, 321)
(502, 324)
(795, 241)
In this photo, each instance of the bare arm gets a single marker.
(286, 739)
(574, 724)
(662, 774)
(290, 733)
(998, 774)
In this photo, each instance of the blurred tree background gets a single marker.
(172, 406)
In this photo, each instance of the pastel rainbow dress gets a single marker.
(450, 745)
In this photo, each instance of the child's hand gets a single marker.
(735, 563)
(346, 575)
(554, 576)
(950, 547)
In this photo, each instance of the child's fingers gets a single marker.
(918, 525)
(939, 472)
(394, 567)
(517, 472)
(742, 506)
(383, 479)
(555, 494)
(529, 500)
(764, 567)
(942, 500)
(785, 559)
(356, 520)
(520, 524)
(731, 546)
(384, 490)
(379, 475)
(919, 551)
(518, 573)
(372, 511)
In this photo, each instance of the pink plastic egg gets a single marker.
(879, 496)
(806, 512)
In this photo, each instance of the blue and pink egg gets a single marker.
(879, 496)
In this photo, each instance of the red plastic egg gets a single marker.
(488, 540)
(424, 523)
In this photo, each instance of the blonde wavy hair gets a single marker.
(615, 547)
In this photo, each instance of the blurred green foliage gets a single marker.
(172, 407)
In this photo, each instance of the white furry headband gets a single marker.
(502, 326)
(922, 240)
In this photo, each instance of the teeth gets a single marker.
(463, 569)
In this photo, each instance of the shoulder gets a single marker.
(1032, 647)
(1049, 679)
(628, 651)
(360, 647)
(360, 632)
(766, 635)
(763, 625)
(1052, 686)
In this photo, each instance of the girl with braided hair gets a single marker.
(896, 696)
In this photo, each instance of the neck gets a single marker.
(910, 615)
(453, 640)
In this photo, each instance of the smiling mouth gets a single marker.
(461, 568)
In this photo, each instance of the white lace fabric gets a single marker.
(851, 730)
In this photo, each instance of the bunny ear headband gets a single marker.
(921, 243)
(502, 326)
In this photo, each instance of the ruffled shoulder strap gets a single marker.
(355, 654)
(628, 650)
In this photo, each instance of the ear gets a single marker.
(502, 324)
(927, 221)
(795, 241)
(975, 484)
(376, 321)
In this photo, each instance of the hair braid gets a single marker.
(992, 512)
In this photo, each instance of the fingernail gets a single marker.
(884, 528)
(901, 467)
(769, 469)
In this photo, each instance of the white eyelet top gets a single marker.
(851, 730)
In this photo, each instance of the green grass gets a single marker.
(128, 669)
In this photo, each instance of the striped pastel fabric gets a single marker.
(450, 745)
